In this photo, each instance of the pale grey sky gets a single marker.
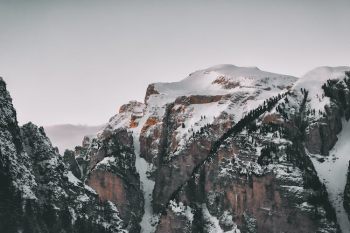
(78, 61)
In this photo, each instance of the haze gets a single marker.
(69, 136)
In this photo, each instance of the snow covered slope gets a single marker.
(224, 79)
(216, 80)
(333, 170)
(196, 101)
(313, 81)
(175, 129)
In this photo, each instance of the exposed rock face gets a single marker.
(181, 164)
(150, 91)
(197, 99)
(270, 186)
(111, 172)
(46, 196)
(153, 145)
(14, 160)
(226, 82)
(256, 182)
(271, 198)
(69, 160)
(17, 179)
(322, 135)
(112, 188)
(228, 149)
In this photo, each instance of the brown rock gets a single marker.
(110, 187)
(150, 91)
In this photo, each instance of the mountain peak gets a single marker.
(315, 78)
(220, 80)
(326, 72)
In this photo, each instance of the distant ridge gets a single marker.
(67, 136)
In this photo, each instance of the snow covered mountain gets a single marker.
(227, 149)
(38, 192)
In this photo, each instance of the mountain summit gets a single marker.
(227, 149)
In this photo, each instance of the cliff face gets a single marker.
(39, 193)
(107, 164)
(241, 189)
(228, 149)
(233, 149)
(17, 179)
(113, 175)
(181, 159)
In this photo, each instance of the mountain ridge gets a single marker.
(243, 153)
(176, 103)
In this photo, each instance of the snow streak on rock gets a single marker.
(212, 223)
(333, 173)
(149, 220)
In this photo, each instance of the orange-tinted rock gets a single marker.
(150, 91)
(129, 106)
(133, 124)
(152, 120)
(196, 151)
(114, 177)
(198, 99)
(110, 187)
(154, 136)
(263, 198)
(225, 82)
(271, 118)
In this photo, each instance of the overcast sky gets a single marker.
(78, 61)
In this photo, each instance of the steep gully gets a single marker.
(333, 172)
(149, 220)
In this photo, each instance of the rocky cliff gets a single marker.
(234, 149)
(38, 191)
(227, 149)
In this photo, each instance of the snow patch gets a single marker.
(333, 172)
(181, 209)
(212, 223)
(91, 190)
(72, 179)
(149, 220)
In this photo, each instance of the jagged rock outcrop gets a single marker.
(181, 163)
(232, 183)
(150, 91)
(208, 177)
(114, 177)
(70, 161)
(321, 136)
(228, 149)
(107, 164)
(234, 179)
(46, 196)
(16, 178)
(309, 193)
